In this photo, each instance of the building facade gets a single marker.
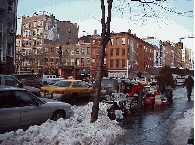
(127, 50)
(8, 26)
(41, 34)
(95, 49)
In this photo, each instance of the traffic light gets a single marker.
(179, 45)
(35, 65)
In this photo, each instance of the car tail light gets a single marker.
(44, 90)
(58, 92)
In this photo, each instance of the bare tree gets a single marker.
(105, 37)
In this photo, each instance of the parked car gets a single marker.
(10, 80)
(48, 78)
(66, 90)
(29, 79)
(20, 109)
(108, 86)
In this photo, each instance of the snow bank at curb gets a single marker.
(184, 125)
(73, 131)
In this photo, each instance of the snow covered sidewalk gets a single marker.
(73, 131)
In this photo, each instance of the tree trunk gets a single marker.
(105, 37)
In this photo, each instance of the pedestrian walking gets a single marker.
(189, 83)
(122, 87)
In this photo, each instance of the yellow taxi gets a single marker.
(66, 90)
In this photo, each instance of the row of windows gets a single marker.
(34, 24)
(117, 52)
(117, 42)
(35, 42)
(83, 50)
(36, 32)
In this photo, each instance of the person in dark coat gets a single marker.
(122, 87)
(189, 83)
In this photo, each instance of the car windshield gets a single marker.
(109, 83)
(62, 84)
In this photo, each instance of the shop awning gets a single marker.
(83, 73)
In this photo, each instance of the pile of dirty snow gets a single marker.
(75, 130)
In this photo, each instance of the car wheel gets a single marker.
(58, 114)
(74, 97)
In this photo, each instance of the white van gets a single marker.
(48, 78)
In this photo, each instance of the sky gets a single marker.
(165, 20)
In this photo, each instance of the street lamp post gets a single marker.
(128, 66)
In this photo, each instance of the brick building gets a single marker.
(95, 49)
(42, 33)
(8, 26)
(125, 48)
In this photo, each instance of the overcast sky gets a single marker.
(165, 20)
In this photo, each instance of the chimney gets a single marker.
(95, 32)
(134, 34)
(129, 31)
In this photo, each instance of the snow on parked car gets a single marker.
(76, 130)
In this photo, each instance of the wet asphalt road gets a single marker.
(155, 127)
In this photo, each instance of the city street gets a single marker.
(167, 126)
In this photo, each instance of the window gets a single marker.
(88, 61)
(41, 23)
(88, 50)
(7, 100)
(72, 61)
(69, 30)
(24, 98)
(39, 51)
(35, 24)
(38, 23)
(72, 51)
(93, 50)
(111, 51)
(82, 60)
(24, 26)
(30, 25)
(117, 51)
(117, 41)
(123, 41)
(93, 41)
(67, 61)
(117, 63)
(11, 81)
(111, 41)
(123, 63)
(77, 52)
(46, 50)
(105, 61)
(67, 52)
(77, 61)
(34, 50)
(34, 32)
(123, 51)
(82, 50)
(27, 25)
(111, 63)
